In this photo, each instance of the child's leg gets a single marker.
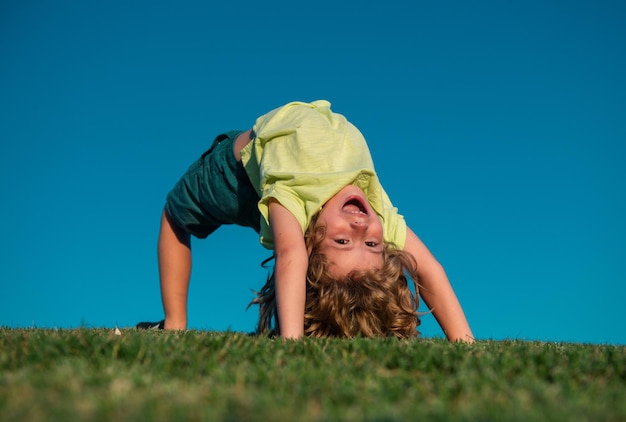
(174, 253)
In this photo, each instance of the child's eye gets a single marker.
(371, 244)
(342, 241)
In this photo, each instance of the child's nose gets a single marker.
(359, 224)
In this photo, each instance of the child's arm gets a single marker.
(290, 272)
(437, 291)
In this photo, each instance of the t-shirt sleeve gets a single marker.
(394, 225)
(288, 198)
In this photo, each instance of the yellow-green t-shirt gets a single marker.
(302, 154)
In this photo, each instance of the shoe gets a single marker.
(151, 325)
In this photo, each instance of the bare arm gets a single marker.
(437, 291)
(290, 272)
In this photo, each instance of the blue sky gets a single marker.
(497, 128)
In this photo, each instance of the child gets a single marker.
(303, 178)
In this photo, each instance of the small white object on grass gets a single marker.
(117, 332)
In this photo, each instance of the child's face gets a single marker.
(354, 233)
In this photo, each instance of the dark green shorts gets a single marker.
(215, 190)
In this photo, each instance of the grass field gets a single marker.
(93, 375)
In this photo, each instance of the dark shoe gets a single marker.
(151, 325)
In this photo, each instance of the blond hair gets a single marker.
(368, 303)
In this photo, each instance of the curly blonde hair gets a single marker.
(367, 303)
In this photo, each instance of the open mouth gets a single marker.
(354, 206)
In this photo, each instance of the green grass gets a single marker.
(92, 374)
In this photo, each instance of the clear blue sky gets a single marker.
(497, 128)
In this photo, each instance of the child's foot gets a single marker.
(151, 325)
